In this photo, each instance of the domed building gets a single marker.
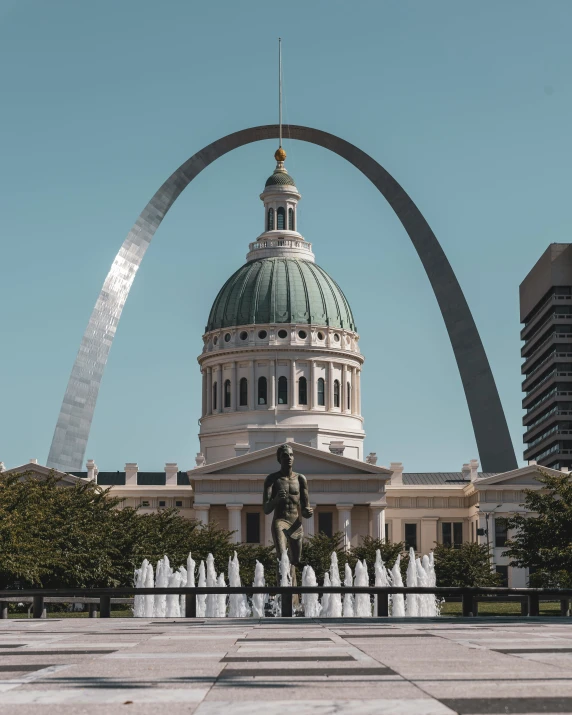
(280, 358)
(281, 363)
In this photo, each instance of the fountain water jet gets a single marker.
(259, 599)
(348, 604)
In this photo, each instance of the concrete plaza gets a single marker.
(244, 667)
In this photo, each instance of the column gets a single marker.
(204, 403)
(235, 522)
(354, 391)
(268, 529)
(217, 377)
(209, 391)
(377, 522)
(345, 523)
(293, 396)
(329, 386)
(233, 388)
(202, 513)
(358, 392)
(272, 386)
(428, 536)
(252, 387)
(312, 386)
(308, 524)
(344, 389)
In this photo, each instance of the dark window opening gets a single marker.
(252, 528)
(227, 393)
(336, 393)
(386, 533)
(453, 534)
(243, 389)
(270, 220)
(214, 395)
(326, 523)
(162, 503)
(291, 219)
(500, 532)
(349, 405)
(282, 390)
(262, 391)
(321, 396)
(178, 503)
(302, 391)
(411, 536)
(503, 573)
(280, 222)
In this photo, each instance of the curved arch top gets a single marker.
(68, 446)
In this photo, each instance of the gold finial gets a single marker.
(280, 154)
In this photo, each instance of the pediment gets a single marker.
(307, 460)
(523, 477)
(38, 471)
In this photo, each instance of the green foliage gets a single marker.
(317, 553)
(468, 565)
(544, 543)
(77, 536)
(388, 551)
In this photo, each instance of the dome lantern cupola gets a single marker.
(280, 236)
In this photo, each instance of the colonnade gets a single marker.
(377, 530)
(215, 377)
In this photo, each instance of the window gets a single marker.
(227, 393)
(179, 503)
(291, 219)
(282, 390)
(452, 534)
(252, 528)
(214, 396)
(243, 389)
(270, 226)
(321, 384)
(144, 503)
(262, 394)
(349, 405)
(302, 334)
(411, 536)
(280, 222)
(227, 338)
(262, 334)
(282, 334)
(336, 393)
(243, 335)
(500, 532)
(326, 523)
(503, 573)
(302, 391)
(386, 533)
(162, 503)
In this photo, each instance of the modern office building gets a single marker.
(546, 312)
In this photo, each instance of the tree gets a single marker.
(468, 565)
(79, 536)
(543, 543)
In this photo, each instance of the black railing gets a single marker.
(468, 596)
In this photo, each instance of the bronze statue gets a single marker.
(286, 494)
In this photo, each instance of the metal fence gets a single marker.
(469, 597)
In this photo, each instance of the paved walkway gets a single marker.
(245, 667)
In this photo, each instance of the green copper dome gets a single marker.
(280, 290)
(280, 178)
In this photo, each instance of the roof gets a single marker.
(439, 477)
(280, 290)
(144, 479)
(280, 177)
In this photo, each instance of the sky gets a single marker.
(467, 104)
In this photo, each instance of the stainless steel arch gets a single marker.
(489, 423)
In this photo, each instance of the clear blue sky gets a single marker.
(467, 104)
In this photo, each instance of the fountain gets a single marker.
(420, 572)
(259, 599)
(310, 601)
(362, 600)
(348, 604)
